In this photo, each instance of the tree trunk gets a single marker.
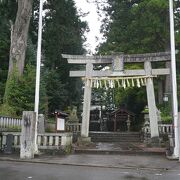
(19, 37)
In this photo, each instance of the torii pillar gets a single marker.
(151, 103)
(86, 105)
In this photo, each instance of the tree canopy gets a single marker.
(137, 26)
(62, 33)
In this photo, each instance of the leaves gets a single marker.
(63, 33)
(138, 26)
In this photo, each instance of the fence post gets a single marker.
(41, 128)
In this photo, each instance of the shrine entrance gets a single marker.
(120, 120)
(111, 120)
(119, 76)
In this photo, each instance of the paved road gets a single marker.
(36, 171)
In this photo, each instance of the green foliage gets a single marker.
(20, 92)
(166, 114)
(65, 28)
(7, 13)
(57, 95)
(63, 33)
(7, 110)
(51, 120)
(136, 26)
(30, 53)
(63, 25)
(8, 9)
(133, 98)
(139, 26)
(13, 129)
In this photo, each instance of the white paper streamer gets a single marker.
(108, 82)
(105, 84)
(138, 83)
(145, 81)
(97, 83)
(91, 83)
(128, 84)
(124, 83)
(119, 85)
(94, 83)
(132, 80)
(142, 82)
(100, 84)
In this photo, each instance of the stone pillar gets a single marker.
(66, 140)
(151, 102)
(28, 135)
(87, 104)
(41, 128)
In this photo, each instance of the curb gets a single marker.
(95, 151)
(85, 165)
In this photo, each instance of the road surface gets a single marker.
(36, 171)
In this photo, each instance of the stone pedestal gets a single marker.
(28, 135)
(84, 139)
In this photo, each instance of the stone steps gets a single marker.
(115, 136)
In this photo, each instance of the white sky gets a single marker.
(93, 23)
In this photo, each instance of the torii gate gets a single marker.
(118, 73)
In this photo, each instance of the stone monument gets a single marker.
(28, 135)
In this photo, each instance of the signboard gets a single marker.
(60, 124)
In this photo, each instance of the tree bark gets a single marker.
(19, 35)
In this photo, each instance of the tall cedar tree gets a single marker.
(63, 33)
(137, 26)
(7, 12)
(18, 46)
(19, 94)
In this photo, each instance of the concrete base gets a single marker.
(154, 142)
(172, 157)
(85, 141)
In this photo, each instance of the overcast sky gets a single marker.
(94, 24)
